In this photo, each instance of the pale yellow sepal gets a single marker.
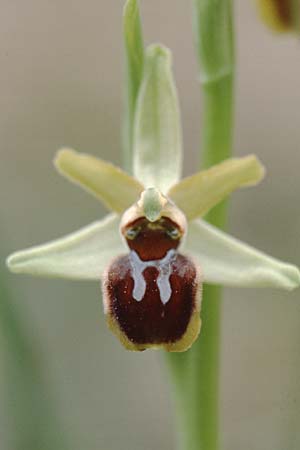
(197, 194)
(115, 188)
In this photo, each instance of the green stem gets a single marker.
(134, 63)
(196, 381)
(217, 136)
(196, 372)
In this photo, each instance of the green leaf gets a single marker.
(197, 194)
(157, 133)
(81, 255)
(228, 261)
(134, 59)
(114, 187)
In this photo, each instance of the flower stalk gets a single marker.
(134, 62)
(196, 373)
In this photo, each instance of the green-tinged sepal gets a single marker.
(228, 261)
(157, 129)
(197, 194)
(81, 255)
(115, 188)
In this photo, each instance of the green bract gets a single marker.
(157, 167)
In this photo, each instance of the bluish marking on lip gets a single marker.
(163, 266)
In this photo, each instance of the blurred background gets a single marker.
(65, 381)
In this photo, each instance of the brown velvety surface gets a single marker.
(150, 321)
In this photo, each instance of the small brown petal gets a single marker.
(152, 240)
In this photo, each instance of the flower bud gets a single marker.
(280, 15)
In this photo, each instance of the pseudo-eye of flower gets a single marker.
(154, 251)
(173, 233)
(132, 232)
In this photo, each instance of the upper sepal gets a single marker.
(157, 157)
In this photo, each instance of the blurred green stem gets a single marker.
(33, 421)
(296, 15)
(134, 63)
(196, 372)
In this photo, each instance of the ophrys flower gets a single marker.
(154, 251)
(280, 15)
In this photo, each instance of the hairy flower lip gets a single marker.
(174, 334)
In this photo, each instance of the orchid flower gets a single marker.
(280, 15)
(154, 251)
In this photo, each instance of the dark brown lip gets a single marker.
(150, 321)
